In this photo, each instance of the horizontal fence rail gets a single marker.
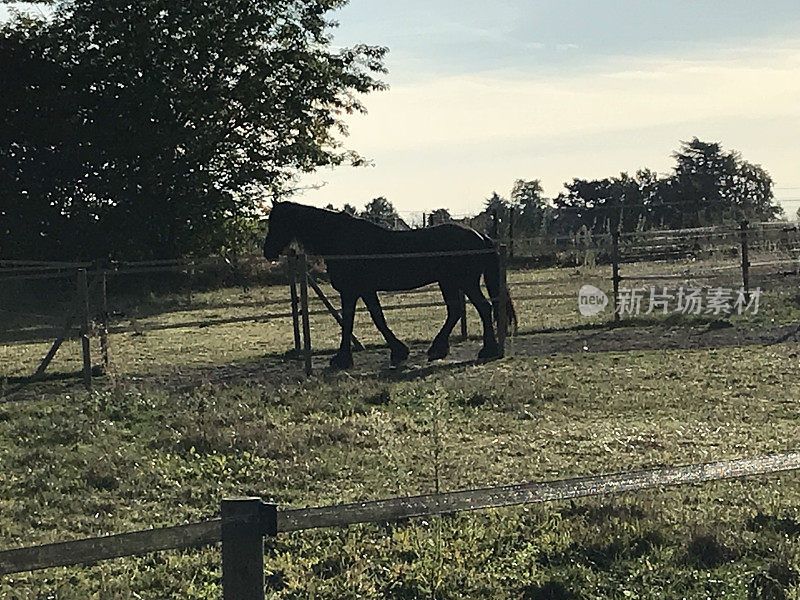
(531, 493)
(63, 554)
(377, 511)
(453, 253)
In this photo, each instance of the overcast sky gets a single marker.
(486, 93)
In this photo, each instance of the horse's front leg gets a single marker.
(399, 351)
(343, 359)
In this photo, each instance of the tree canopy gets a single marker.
(153, 129)
(439, 216)
(379, 210)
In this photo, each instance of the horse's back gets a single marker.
(404, 273)
(447, 237)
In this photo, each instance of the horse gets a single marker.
(338, 234)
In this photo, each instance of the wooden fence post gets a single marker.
(304, 313)
(511, 232)
(293, 292)
(463, 316)
(502, 313)
(245, 522)
(745, 260)
(83, 293)
(615, 278)
(189, 283)
(104, 319)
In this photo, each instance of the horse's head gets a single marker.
(281, 230)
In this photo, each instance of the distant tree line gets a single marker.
(378, 210)
(708, 186)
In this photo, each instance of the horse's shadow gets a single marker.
(411, 372)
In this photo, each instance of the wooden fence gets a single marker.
(244, 522)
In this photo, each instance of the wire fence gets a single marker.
(706, 258)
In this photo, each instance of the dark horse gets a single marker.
(326, 232)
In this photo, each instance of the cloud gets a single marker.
(627, 93)
(450, 141)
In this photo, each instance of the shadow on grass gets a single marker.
(278, 368)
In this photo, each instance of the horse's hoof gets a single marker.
(489, 353)
(437, 353)
(399, 355)
(341, 361)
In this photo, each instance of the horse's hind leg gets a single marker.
(440, 346)
(399, 351)
(490, 347)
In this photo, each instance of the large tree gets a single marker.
(529, 204)
(158, 128)
(711, 186)
(439, 216)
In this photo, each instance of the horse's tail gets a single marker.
(491, 275)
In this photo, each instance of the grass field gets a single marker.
(146, 449)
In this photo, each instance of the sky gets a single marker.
(482, 94)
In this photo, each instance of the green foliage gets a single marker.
(156, 129)
(715, 185)
(707, 187)
(530, 207)
(439, 216)
(379, 210)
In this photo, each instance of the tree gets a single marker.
(712, 186)
(529, 206)
(439, 216)
(380, 211)
(157, 125)
(495, 211)
(623, 203)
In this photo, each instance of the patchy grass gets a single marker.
(133, 455)
(126, 458)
